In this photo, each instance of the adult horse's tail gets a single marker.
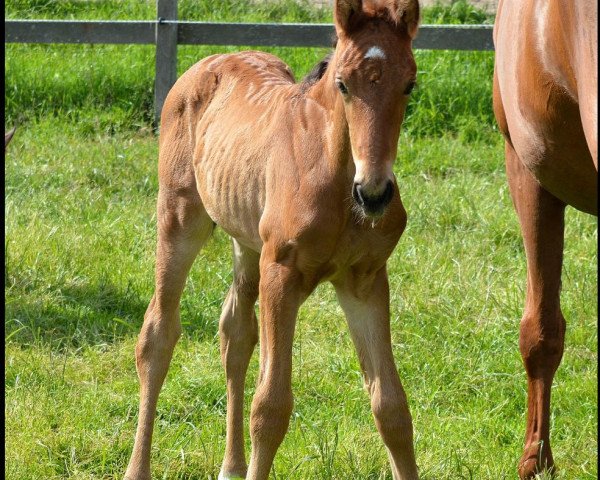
(585, 48)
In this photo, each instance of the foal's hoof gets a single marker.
(535, 461)
(132, 474)
(224, 476)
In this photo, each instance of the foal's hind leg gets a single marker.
(183, 227)
(239, 333)
(543, 326)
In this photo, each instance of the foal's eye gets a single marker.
(341, 87)
(409, 88)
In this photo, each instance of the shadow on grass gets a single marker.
(67, 316)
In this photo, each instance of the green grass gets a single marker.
(79, 251)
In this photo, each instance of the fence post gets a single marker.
(166, 54)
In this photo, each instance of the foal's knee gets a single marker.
(241, 330)
(271, 410)
(238, 328)
(393, 418)
(541, 342)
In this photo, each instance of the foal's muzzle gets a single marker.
(373, 204)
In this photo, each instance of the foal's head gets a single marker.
(374, 73)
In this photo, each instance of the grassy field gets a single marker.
(80, 197)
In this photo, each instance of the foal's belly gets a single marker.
(235, 139)
(231, 182)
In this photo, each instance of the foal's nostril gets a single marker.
(375, 204)
(388, 194)
(357, 194)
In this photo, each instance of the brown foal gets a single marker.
(545, 100)
(300, 176)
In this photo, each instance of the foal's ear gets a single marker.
(344, 11)
(407, 12)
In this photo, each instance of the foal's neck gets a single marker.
(325, 93)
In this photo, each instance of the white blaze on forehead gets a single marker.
(375, 52)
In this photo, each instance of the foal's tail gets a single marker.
(179, 198)
(190, 96)
(8, 135)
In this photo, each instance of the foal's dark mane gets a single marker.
(318, 70)
(315, 74)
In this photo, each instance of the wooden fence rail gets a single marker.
(166, 32)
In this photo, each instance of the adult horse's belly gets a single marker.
(541, 117)
(558, 156)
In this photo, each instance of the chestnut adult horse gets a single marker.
(300, 175)
(545, 100)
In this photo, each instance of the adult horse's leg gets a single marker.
(541, 342)
(368, 318)
(239, 333)
(183, 227)
(281, 294)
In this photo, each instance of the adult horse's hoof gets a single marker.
(534, 461)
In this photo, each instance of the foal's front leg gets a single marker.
(368, 315)
(280, 298)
